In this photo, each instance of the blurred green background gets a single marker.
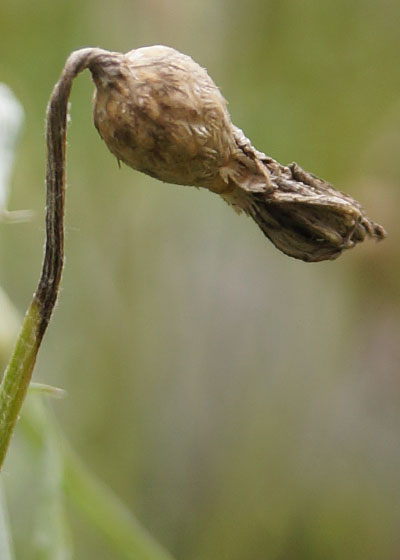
(245, 405)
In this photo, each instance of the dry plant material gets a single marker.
(160, 113)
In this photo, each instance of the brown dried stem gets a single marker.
(18, 374)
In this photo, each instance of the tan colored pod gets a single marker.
(160, 113)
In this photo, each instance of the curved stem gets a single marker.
(19, 370)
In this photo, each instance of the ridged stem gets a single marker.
(18, 373)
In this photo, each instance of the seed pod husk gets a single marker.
(159, 112)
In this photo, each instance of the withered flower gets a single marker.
(160, 113)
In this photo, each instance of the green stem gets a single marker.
(19, 371)
(17, 376)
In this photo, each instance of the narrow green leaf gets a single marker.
(112, 518)
(125, 536)
(47, 390)
(51, 538)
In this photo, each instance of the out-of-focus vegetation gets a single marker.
(243, 404)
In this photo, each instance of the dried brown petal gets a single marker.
(160, 113)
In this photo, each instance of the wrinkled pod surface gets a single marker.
(160, 113)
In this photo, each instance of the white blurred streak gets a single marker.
(6, 549)
(9, 326)
(11, 121)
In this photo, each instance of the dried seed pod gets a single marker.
(160, 113)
